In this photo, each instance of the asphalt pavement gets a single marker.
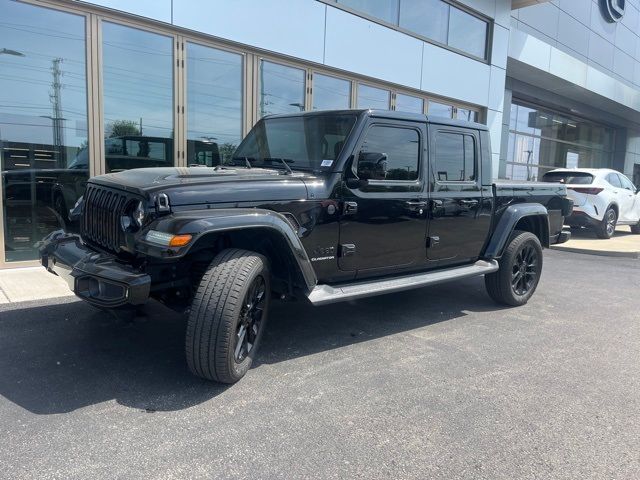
(436, 383)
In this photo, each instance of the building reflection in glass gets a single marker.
(43, 122)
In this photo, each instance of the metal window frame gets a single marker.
(177, 65)
(89, 59)
(183, 92)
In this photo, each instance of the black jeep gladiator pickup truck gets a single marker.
(323, 206)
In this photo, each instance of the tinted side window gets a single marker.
(613, 179)
(455, 159)
(626, 183)
(389, 153)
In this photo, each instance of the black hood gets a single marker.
(203, 185)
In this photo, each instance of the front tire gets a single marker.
(520, 269)
(607, 226)
(227, 317)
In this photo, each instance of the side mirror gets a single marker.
(372, 166)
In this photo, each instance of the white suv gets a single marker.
(602, 198)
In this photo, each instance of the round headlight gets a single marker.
(138, 214)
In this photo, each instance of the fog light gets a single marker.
(167, 239)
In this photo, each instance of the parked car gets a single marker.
(319, 206)
(602, 199)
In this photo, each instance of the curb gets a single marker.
(602, 253)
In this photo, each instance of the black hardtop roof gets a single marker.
(391, 114)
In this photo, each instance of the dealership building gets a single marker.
(92, 87)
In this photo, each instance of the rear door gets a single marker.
(458, 224)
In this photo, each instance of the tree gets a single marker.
(226, 151)
(122, 128)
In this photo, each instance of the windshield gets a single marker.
(571, 178)
(304, 142)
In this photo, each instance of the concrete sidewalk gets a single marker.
(32, 283)
(623, 244)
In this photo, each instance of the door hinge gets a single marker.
(347, 250)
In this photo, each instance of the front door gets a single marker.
(382, 226)
(459, 221)
(629, 202)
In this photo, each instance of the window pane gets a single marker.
(386, 10)
(467, 33)
(401, 147)
(614, 180)
(440, 110)
(281, 89)
(626, 183)
(469, 158)
(330, 93)
(371, 97)
(304, 142)
(407, 103)
(429, 18)
(214, 104)
(138, 98)
(466, 114)
(43, 122)
(453, 158)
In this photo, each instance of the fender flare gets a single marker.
(201, 223)
(507, 223)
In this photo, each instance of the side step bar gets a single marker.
(324, 294)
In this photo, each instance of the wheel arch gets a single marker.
(268, 233)
(529, 217)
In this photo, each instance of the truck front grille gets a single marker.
(103, 208)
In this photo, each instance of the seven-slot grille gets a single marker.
(103, 208)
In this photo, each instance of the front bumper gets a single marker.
(95, 277)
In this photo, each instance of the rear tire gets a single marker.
(227, 317)
(635, 229)
(607, 226)
(520, 268)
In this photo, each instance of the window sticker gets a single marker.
(326, 163)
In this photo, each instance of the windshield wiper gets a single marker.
(284, 161)
(247, 163)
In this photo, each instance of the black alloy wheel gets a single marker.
(520, 270)
(251, 318)
(524, 270)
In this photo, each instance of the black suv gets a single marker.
(322, 206)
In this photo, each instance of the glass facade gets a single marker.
(435, 20)
(214, 104)
(541, 140)
(137, 98)
(438, 109)
(331, 93)
(409, 103)
(43, 122)
(163, 98)
(282, 89)
(372, 97)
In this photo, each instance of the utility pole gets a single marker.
(56, 102)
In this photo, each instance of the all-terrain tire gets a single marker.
(523, 248)
(218, 314)
(607, 226)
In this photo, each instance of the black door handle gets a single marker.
(416, 203)
(468, 203)
(350, 208)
